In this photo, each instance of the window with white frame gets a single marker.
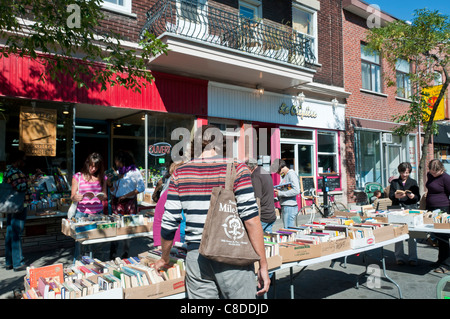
(370, 69)
(231, 134)
(117, 5)
(403, 82)
(304, 21)
(327, 152)
(250, 9)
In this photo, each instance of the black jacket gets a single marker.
(411, 185)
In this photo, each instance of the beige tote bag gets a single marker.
(224, 237)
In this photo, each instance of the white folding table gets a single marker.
(332, 257)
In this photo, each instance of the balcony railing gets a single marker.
(192, 19)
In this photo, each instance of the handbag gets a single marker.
(72, 209)
(224, 237)
(11, 200)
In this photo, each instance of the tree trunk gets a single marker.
(427, 137)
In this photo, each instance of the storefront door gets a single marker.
(393, 155)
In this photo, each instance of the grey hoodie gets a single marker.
(288, 197)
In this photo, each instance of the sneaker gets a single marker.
(9, 267)
(442, 270)
(21, 268)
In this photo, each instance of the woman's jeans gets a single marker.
(289, 215)
(15, 224)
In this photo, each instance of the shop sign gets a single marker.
(37, 129)
(433, 93)
(159, 149)
(297, 110)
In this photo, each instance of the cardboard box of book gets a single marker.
(383, 233)
(335, 246)
(409, 217)
(272, 262)
(295, 251)
(346, 214)
(172, 284)
(400, 229)
(143, 226)
(360, 237)
(87, 231)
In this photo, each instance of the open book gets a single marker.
(91, 195)
(399, 191)
(283, 187)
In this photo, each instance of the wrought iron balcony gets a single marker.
(202, 22)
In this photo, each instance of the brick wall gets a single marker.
(362, 104)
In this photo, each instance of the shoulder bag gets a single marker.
(224, 237)
(11, 200)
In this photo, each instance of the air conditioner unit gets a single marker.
(387, 138)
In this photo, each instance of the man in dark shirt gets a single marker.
(263, 188)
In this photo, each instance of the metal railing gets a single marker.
(199, 21)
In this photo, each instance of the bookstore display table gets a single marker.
(115, 238)
(332, 257)
(429, 228)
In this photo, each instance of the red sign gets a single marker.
(159, 149)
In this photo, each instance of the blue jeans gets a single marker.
(289, 215)
(15, 223)
(267, 227)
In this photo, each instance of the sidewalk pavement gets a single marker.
(318, 281)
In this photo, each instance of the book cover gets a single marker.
(50, 271)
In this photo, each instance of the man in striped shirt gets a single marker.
(190, 191)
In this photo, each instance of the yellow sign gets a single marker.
(432, 95)
(37, 131)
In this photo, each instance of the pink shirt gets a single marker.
(89, 206)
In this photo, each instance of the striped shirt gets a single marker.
(89, 206)
(190, 191)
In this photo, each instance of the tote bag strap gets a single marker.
(230, 177)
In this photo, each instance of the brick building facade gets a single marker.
(373, 151)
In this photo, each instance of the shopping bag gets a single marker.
(224, 237)
(11, 200)
(72, 209)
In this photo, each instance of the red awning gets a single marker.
(19, 77)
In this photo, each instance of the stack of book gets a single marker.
(90, 276)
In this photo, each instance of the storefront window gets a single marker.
(368, 157)
(327, 152)
(160, 143)
(44, 133)
(297, 134)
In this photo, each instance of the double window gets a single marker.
(370, 69)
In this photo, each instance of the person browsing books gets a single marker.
(124, 191)
(438, 186)
(263, 187)
(404, 192)
(288, 197)
(89, 189)
(89, 186)
(190, 190)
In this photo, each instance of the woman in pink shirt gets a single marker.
(86, 184)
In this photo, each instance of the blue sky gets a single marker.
(404, 9)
